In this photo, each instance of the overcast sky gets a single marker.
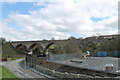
(44, 19)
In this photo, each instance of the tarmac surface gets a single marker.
(93, 63)
(19, 71)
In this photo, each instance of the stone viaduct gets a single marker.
(43, 43)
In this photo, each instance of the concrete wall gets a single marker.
(60, 57)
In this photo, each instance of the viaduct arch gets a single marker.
(44, 45)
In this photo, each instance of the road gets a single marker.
(20, 72)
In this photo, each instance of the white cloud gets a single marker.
(19, 0)
(64, 16)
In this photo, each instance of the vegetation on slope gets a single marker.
(5, 73)
(9, 51)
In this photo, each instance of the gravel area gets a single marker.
(70, 69)
(94, 63)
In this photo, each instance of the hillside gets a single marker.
(8, 50)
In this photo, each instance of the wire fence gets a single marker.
(61, 57)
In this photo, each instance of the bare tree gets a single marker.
(2, 40)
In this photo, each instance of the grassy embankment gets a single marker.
(5, 73)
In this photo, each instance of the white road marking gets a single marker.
(19, 71)
(19, 67)
(28, 75)
(25, 74)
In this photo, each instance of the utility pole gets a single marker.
(25, 59)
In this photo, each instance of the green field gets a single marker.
(5, 73)
(52, 46)
(14, 58)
